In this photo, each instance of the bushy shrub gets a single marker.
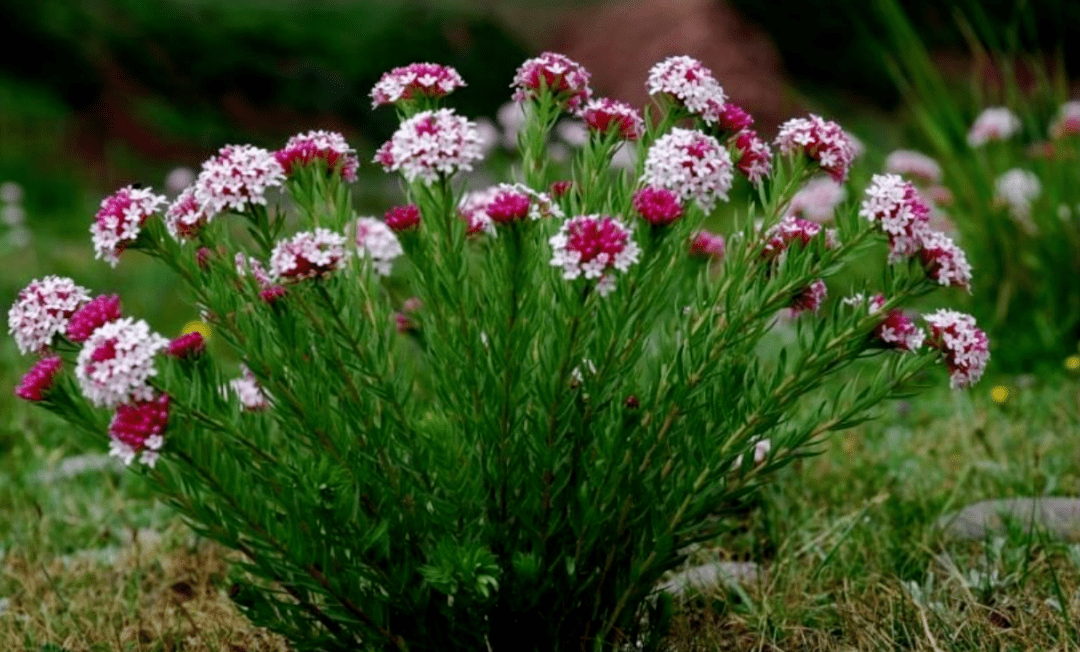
(509, 454)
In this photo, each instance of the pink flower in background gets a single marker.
(239, 176)
(93, 315)
(308, 254)
(248, 391)
(431, 144)
(377, 242)
(304, 149)
(900, 211)
(733, 118)
(817, 200)
(564, 78)
(822, 141)
(39, 380)
(945, 262)
(560, 188)
(709, 245)
(42, 311)
(1067, 121)
(811, 298)
(913, 164)
(691, 164)
(593, 246)
(755, 157)
(415, 81)
(995, 123)
(402, 218)
(120, 219)
(188, 345)
(178, 179)
(139, 428)
(604, 114)
(964, 347)
(117, 362)
(202, 258)
(185, 217)
(688, 83)
(659, 206)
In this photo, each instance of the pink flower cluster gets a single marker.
(707, 245)
(431, 144)
(329, 146)
(504, 203)
(592, 246)
(565, 79)
(604, 115)
(913, 164)
(187, 346)
(822, 141)
(37, 382)
(811, 297)
(473, 209)
(897, 330)
(402, 218)
(117, 362)
(964, 347)
(995, 123)
(733, 118)
(817, 200)
(691, 164)
(237, 177)
(376, 241)
(690, 84)
(42, 311)
(755, 157)
(307, 255)
(789, 230)
(414, 81)
(92, 316)
(138, 428)
(185, 217)
(119, 220)
(1067, 121)
(659, 206)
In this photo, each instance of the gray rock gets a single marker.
(1058, 517)
(709, 577)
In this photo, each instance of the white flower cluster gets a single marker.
(375, 240)
(913, 164)
(238, 176)
(42, 311)
(308, 254)
(689, 82)
(946, 263)
(117, 361)
(995, 123)
(119, 220)
(691, 164)
(1067, 120)
(899, 211)
(425, 79)
(823, 141)
(817, 200)
(430, 144)
(965, 347)
(590, 246)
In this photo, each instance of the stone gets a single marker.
(709, 577)
(1059, 517)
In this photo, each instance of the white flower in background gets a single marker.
(995, 123)
(1018, 189)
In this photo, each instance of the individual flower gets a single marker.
(376, 241)
(42, 311)
(119, 220)
(789, 230)
(659, 206)
(817, 200)
(810, 298)
(248, 391)
(307, 255)
(995, 123)
(943, 261)
(593, 246)
(138, 428)
(239, 176)
(824, 142)
(755, 157)
(913, 164)
(733, 118)
(1067, 121)
(564, 78)
(92, 316)
(430, 144)
(414, 81)
(402, 218)
(899, 211)
(329, 146)
(185, 217)
(896, 330)
(688, 83)
(964, 347)
(706, 244)
(39, 380)
(117, 362)
(605, 114)
(187, 346)
(691, 164)
(1018, 189)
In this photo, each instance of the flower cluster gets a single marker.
(117, 361)
(185, 217)
(37, 382)
(307, 255)
(414, 81)
(995, 123)
(237, 177)
(789, 230)
(329, 146)
(430, 144)
(755, 157)
(733, 118)
(900, 211)
(473, 210)
(591, 246)
(707, 245)
(187, 346)
(659, 206)
(691, 164)
(811, 298)
(248, 391)
(896, 330)
(817, 200)
(1067, 121)
(824, 142)
(914, 164)
(376, 241)
(137, 428)
(604, 115)
(965, 348)
(689, 84)
(42, 311)
(566, 79)
(944, 262)
(119, 220)
(402, 218)
(91, 316)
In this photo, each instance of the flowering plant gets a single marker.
(513, 459)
